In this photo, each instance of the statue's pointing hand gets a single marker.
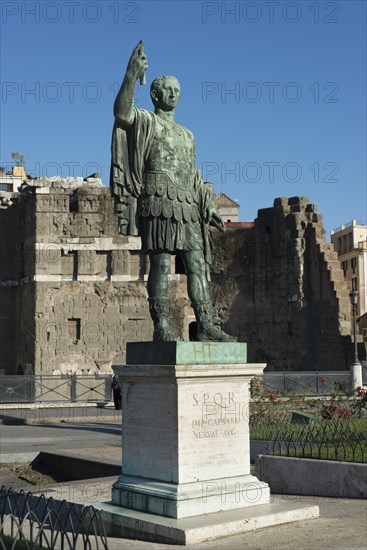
(138, 63)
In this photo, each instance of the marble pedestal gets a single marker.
(185, 430)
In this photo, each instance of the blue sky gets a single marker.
(274, 91)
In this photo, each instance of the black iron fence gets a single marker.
(331, 428)
(94, 388)
(68, 388)
(33, 522)
(327, 439)
(307, 383)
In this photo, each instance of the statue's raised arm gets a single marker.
(124, 103)
(127, 166)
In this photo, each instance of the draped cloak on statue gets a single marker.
(185, 227)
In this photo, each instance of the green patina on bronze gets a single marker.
(186, 353)
(160, 195)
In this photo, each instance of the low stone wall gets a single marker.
(257, 447)
(304, 476)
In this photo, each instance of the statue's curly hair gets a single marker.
(157, 82)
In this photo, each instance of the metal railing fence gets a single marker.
(94, 388)
(49, 388)
(33, 522)
(332, 439)
(308, 383)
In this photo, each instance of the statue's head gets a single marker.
(165, 92)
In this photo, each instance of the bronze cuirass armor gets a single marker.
(169, 174)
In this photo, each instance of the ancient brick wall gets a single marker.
(90, 294)
(293, 305)
(73, 291)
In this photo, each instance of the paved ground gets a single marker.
(342, 525)
(47, 436)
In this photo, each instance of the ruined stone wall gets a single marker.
(17, 256)
(292, 306)
(90, 295)
(83, 327)
(8, 293)
(73, 291)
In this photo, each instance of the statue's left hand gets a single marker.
(216, 220)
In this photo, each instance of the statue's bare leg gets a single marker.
(197, 283)
(199, 294)
(158, 275)
(158, 296)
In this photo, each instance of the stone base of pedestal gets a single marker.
(189, 499)
(186, 453)
(122, 522)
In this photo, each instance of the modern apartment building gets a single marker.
(350, 242)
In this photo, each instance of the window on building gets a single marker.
(6, 187)
(73, 203)
(345, 244)
(350, 241)
(353, 264)
(74, 330)
(340, 245)
(345, 267)
(354, 283)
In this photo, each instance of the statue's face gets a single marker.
(166, 97)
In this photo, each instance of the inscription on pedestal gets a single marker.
(219, 459)
(215, 431)
(220, 414)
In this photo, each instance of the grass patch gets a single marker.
(345, 453)
(316, 429)
(329, 439)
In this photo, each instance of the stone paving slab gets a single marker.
(342, 526)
